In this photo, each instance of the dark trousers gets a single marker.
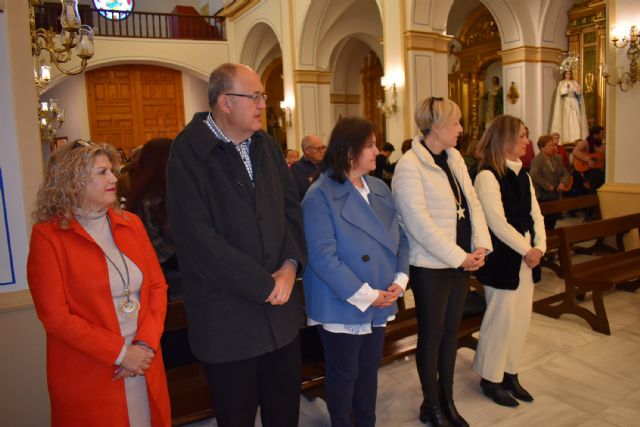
(439, 296)
(351, 376)
(271, 381)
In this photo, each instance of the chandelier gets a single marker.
(50, 118)
(59, 47)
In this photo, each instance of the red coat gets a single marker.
(69, 280)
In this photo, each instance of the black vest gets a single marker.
(502, 267)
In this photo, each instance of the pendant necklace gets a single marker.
(128, 308)
(460, 210)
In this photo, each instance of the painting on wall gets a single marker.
(7, 272)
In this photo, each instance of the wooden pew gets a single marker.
(598, 275)
(188, 390)
(401, 339)
(553, 243)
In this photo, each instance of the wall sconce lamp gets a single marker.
(624, 79)
(513, 94)
(391, 107)
(50, 117)
(74, 35)
(286, 110)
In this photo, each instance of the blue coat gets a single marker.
(350, 242)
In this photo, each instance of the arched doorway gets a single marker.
(262, 52)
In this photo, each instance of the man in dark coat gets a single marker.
(237, 223)
(306, 170)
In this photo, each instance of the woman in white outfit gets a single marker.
(448, 238)
(519, 241)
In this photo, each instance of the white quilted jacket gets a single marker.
(427, 208)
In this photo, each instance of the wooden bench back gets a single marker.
(592, 230)
(571, 203)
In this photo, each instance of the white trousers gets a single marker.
(504, 328)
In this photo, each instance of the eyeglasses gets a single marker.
(431, 112)
(320, 148)
(256, 98)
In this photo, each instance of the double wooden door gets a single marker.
(131, 104)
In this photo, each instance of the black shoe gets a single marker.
(497, 393)
(449, 410)
(512, 385)
(433, 415)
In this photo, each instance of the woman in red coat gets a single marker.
(100, 294)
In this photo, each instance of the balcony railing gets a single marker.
(138, 24)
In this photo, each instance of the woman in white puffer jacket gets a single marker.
(448, 238)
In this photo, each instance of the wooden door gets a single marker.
(131, 104)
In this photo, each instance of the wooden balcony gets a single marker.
(184, 23)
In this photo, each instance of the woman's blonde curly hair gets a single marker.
(66, 178)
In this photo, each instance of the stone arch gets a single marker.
(328, 22)
(118, 60)
(261, 47)
(513, 20)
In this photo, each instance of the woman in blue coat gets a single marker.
(358, 264)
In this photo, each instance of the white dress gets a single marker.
(569, 114)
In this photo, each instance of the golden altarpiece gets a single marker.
(480, 45)
(479, 39)
(587, 38)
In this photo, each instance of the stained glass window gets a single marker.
(114, 9)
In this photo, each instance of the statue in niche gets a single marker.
(569, 115)
(493, 102)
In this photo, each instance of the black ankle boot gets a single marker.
(433, 415)
(497, 393)
(512, 385)
(448, 408)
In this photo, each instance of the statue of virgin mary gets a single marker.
(569, 115)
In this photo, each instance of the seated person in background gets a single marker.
(124, 178)
(471, 158)
(384, 169)
(291, 156)
(147, 200)
(588, 161)
(562, 152)
(406, 145)
(530, 153)
(306, 170)
(550, 177)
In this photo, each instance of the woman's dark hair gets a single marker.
(347, 141)
(150, 178)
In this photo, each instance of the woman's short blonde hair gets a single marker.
(500, 137)
(435, 112)
(68, 172)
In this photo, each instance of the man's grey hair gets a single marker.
(220, 81)
(306, 141)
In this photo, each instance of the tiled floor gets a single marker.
(577, 376)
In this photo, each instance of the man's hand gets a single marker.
(285, 278)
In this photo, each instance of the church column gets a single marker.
(531, 73)
(426, 71)
(620, 195)
(312, 114)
